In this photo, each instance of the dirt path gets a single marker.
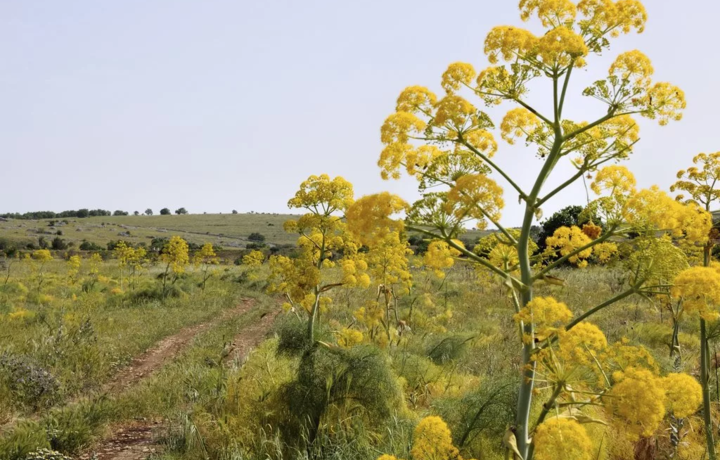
(136, 440)
(148, 362)
(166, 349)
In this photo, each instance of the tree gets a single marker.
(234, 211)
(446, 144)
(136, 213)
(120, 213)
(181, 211)
(83, 213)
(165, 212)
(148, 212)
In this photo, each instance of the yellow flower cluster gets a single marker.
(699, 289)
(565, 240)
(476, 196)
(130, 256)
(416, 99)
(519, 123)
(369, 217)
(206, 255)
(457, 74)
(699, 182)
(388, 261)
(175, 254)
(509, 43)
(638, 400)
(454, 112)
(253, 258)
(606, 16)
(614, 180)
(432, 440)
(42, 255)
(439, 256)
(546, 313)
(348, 337)
(560, 47)
(664, 102)
(558, 438)
(633, 66)
(552, 13)
(581, 344)
(684, 394)
(604, 252)
(353, 270)
(323, 195)
(650, 210)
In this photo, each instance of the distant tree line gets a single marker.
(82, 213)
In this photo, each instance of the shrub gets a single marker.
(256, 237)
(165, 212)
(58, 244)
(30, 385)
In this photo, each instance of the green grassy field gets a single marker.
(229, 231)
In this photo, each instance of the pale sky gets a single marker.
(219, 105)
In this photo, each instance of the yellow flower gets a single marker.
(519, 123)
(699, 289)
(476, 196)
(699, 182)
(457, 74)
(638, 400)
(440, 256)
(604, 252)
(369, 217)
(613, 180)
(348, 338)
(509, 42)
(453, 112)
(684, 394)
(606, 16)
(416, 99)
(552, 13)
(324, 194)
(560, 47)
(399, 126)
(581, 343)
(432, 440)
(633, 66)
(664, 102)
(175, 254)
(566, 240)
(42, 255)
(253, 258)
(546, 313)
(559, 438)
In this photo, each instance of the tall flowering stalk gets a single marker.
(446, 143)
(700, 182)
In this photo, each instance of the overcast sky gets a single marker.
(220, 105)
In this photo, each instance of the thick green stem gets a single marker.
(545, 411)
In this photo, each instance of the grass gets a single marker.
(225, 230)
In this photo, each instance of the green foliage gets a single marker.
(165, 212)
(357, 382)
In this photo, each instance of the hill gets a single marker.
(230, 231)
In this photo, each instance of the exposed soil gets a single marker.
(165, 350)
(136, 440)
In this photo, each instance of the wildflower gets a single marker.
(552, 13)
(566, 240)
(638, 400)
(684, 394)
(699, 289)
(546, 313)
(457, 74)
(561, 438)
(254, 258)
(440, 256)
(432, 440)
